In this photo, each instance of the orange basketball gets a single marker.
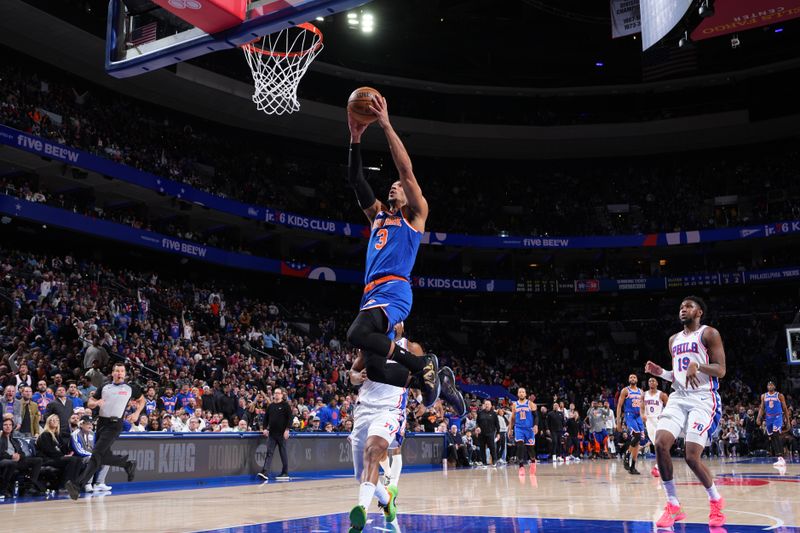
(358, 104)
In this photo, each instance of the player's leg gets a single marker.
(702, 424)
(651, 435)
(671, 424)
(368, 332)
(396, 466)
(380, 431)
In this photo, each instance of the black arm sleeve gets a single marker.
(136, 391)
(355, 174)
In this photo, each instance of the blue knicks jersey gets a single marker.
(633, 402)
(772, 405)
(392, 248)
(523, 416)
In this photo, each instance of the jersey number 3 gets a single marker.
(383, 235)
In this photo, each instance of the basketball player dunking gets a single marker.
(654, 402)
(773, 404)
(397, 229)
(631, 400)
(694, 408)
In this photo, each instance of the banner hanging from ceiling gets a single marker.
(625, 18)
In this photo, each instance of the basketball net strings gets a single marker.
(277, 77)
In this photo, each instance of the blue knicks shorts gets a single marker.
(524, 435)
(600, 436)
(634, 423)
(774, 424)
(393, 297)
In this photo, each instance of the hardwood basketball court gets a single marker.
(590, 496)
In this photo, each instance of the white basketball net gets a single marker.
(278, 62)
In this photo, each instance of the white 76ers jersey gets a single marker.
(382, 396)
(687, 349)
(653, 404)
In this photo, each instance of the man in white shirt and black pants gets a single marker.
(112, 400)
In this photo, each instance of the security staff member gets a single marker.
(112, 399)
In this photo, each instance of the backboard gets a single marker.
(142, 36)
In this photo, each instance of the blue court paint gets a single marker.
(480, 524)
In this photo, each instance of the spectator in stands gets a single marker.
(52, 450)
(95, 352)
(74, 396)
(456, 450)
(23, 377)
(86, 388)
(14, 460)
(43, 396)
(9, 401)
(82, 444)
(26, 414)
(166, 423)
(63, 408)
(194, 425)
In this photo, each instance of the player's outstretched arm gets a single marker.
(416, 201)
(355, 171)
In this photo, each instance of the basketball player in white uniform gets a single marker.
(380, 415)
(694, 408)
(653, 404)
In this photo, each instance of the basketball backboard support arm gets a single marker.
(263, 17)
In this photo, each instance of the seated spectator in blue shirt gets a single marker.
(74, 395)
(83, 444)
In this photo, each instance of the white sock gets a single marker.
(713, 493)
(397, 466)
(365, 493)
(672, 493)
(385, 466)
(381, 493)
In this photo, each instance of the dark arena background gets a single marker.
(594, 172)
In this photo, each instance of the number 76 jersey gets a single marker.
(687, 349)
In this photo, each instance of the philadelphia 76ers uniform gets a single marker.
(652, 408)
(773, 413)
(391, 253)
(693, 412)
(380, 411)
(633, 410)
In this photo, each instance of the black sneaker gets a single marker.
(450, 392)
(263, 476)
(633, 470)
(73, 489)
(130, 469)
(429, 380)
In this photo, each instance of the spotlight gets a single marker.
(706, 9)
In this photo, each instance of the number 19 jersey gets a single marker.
(687, 349)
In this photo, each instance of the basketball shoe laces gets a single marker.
(672, 513)
(715, 517)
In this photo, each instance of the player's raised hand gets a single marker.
(691, 376)
(357, 128)
(381, 110)
(653, 369)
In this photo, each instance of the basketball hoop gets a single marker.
(278, 62)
